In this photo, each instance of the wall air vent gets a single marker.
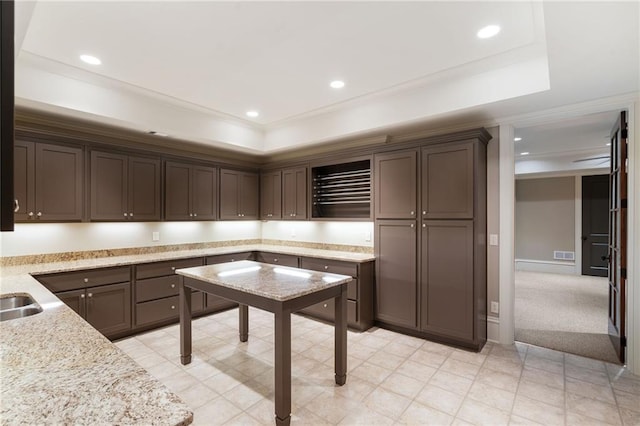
(564, 255)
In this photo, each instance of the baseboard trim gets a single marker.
(553, 267)
(493, 329)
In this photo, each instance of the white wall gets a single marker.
(40, 238)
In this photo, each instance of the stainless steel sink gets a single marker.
(18, 306)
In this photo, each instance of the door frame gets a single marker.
(506, 284)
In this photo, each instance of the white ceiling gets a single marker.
(192, 69)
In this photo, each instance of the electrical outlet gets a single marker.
(495, 307)
(155, 236)
(367, 236)
(493, 239)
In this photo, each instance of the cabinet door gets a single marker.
(59, 182)
(396, 185)
(108, 186)
(447, 182)
(204, 188)
(109, 308)
(396, 272)
(447, 278)
(75, 299)
(230, 181)
(23, 180)
(144, 189)
(177, 197)
(295, 193)
(271, 196)
(249, 196)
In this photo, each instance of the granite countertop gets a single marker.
(265, 280)
(58, 369)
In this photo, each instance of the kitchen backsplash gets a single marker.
(122, 238)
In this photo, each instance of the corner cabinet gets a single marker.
(48, 182)
(239, 195)
(271, 195)
(190, 192)
(124, 187)
(431, 273)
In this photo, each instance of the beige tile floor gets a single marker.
(392, 379)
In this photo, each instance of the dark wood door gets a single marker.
(249, 196)
(447, 182)
(294, 193)
(59, 183)
(396, 272)
(271, 196)
(177, 196)
(204, 190)
(143, 189)
(447, 278)
(618, 236)
(75, 299)
(108, 186)
(23, 179)
(595, 225)
(395, 185)
(109, 308)
(230, 181)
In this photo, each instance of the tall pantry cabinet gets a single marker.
(430, 233)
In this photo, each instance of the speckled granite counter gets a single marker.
(57, 369)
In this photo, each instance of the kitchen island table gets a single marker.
(277, 289)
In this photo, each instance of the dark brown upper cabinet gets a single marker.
(395, 185)
(238, 195)
(190, 192)
(271, 195)
(448, 181)
(294, 194)
(48, 182)
(124, 187)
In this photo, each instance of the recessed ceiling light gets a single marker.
(252, 114)
(337, 84)
(488, 31)
(517, 139)
(524, 153)
(92, 60)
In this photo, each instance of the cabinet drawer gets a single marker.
(334, 267)
(159, 269)
(232, 257)
(326, 310)
(278, 259)
(85, 278)
(158, 310)
(156, 288)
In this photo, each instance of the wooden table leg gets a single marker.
(283, 367)
(341, 336)
(185, 323)
(244, 322)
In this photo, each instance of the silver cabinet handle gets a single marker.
(173, 268)
(173, 286)
(324, 306)
(275, 260)
(173, 307)
(326, 266)
(39, 214)
(86, 280)
(195, 215)
(82, 296)
(130, 214)
(190, 214)
(424, 225)
(30, 214)
(125, 215)
(16, 205)
(412, 225)
(424, 212)
(90, 295)
(412, 212)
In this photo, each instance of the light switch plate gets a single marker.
(495, 307)
(367, 236)
(493, 239)
(155, 236)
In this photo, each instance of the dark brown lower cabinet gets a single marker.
(396, 272)
(278, 259)
(447, 290)
(107, 308)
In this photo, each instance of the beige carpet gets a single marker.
(564, 312)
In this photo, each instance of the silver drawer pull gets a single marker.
(275, 260)
(324, 306)
(90, 295)
(82, 296)
(326, 267)
(173, 307)
(86, 280)
(173, 268)
(125, 215)
(173, 286)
